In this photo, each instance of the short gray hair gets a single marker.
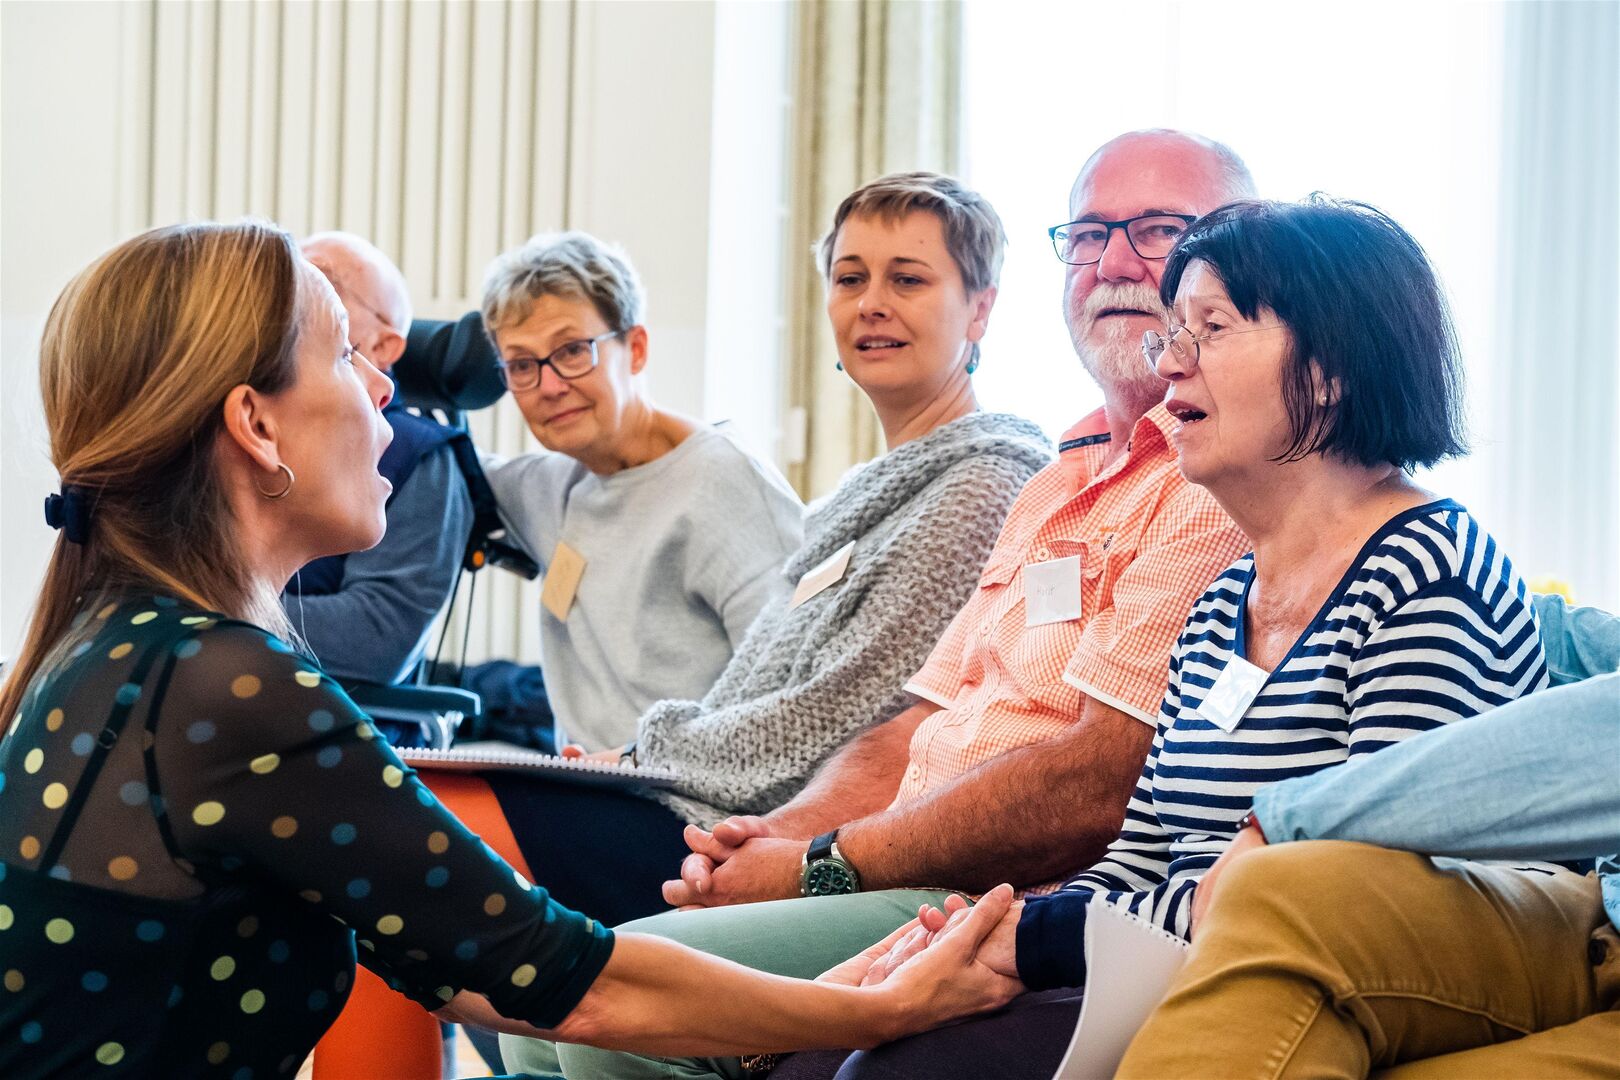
(571, 264)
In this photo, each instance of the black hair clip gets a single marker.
(70, 512)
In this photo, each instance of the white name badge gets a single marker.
(819, 577)
(1052, 591)
(1233, 693)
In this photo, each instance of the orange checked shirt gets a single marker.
(1149, 544)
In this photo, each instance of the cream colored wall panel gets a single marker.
(391, 123)
(483, 175)
(166, 156)
(359, 173)
(417, 251)
(233, 118)
(137, 21)
(330, 76)
(202, 98)
(294, 207)
(264, 107)
(554, 114)
(520, 81)
(450, 219)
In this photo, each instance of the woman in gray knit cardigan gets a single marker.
(889, 557)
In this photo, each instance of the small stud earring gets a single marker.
(839, 365)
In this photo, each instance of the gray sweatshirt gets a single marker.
(808, 679)
(680, 555)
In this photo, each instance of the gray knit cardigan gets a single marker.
(806, 680)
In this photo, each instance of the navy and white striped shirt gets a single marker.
(1430, 624)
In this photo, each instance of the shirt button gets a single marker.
(916, 771)
(1042, 554)
(1596, 951)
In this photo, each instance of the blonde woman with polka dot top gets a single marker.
(199, 832)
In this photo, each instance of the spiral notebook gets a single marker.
(1130, 964)
(571, 770)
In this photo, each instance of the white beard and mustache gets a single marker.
(1112, 353)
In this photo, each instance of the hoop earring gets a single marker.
(282, 494)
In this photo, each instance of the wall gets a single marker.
(444, 130)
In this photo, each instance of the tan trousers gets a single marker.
(1329, 959)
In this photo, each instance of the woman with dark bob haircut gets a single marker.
(1311, 365)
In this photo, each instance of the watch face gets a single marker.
(828, 877)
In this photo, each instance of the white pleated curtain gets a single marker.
(878, 90)
(1550, 447)
(439, 130)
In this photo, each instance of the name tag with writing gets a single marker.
(819, 577)
(562, 581)
(1052, 591)
(1234, 691)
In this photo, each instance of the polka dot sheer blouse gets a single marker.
(199, 832)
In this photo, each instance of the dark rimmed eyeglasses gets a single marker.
(1081, 243)
(570, 360)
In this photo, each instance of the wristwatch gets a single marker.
(826, 872)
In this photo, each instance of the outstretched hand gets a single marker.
(950, 971)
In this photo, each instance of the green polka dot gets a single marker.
(208, 813)
(59, 931)
(223, 968)
(390, 925)
(265, 764)
(252, 1001)
(307, 679)
(110, 1053)
(6, 917)
(523, 975)
(392, 775)
(193, 620)
(35, 759)
(55, 796)
(143, 618)
(444, 993)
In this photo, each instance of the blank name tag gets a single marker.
(1234, 691)
(1052, 591)
(562, 581)
(818, 578)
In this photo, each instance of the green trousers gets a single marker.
(799, 938)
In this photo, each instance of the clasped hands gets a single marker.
(741, 862)
(944, 964)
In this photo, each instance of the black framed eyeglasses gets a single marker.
(1081, 243)
(570, 360)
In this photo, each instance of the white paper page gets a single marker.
(1129, 966)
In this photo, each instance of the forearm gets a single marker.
(861, 779)
(656, 997)
(1028, 816)
(1532, 779)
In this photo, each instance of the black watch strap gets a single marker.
(822, 846)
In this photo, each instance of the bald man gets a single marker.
(367, 616)
(1031, 721)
